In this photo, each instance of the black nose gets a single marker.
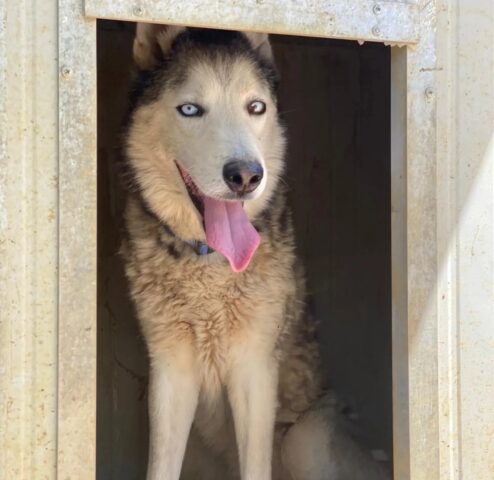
(241, 176)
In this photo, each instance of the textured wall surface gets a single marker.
(47, 240)
(28, 239)
(465, 196)
(442, 241)
(387, 21)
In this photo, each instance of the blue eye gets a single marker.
(190, 110)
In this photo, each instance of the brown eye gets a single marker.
(256, 107)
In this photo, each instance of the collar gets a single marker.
(200, 248)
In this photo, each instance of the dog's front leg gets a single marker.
(173, 395)
(252, 393)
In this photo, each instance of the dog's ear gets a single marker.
(152, 43)
(260, 44)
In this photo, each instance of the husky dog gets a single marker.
(209, 251)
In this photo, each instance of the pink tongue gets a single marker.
(229, 231)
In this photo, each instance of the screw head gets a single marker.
(376, 31)
(377, 9)
(138, 11)
(429, 94)
(66, 72)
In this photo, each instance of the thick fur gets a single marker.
(233, 356)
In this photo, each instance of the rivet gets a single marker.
(138, 11)
(377, 9)
(376, 31)
(429, 94)
(66, 72)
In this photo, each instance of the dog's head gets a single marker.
(204, 143)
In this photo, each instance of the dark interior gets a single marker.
(335, 101)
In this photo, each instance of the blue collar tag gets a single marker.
(202, 248)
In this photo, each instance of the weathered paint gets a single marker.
(443, 246)
(366, 20)
(465, 196)
(421, 248)
(28, 239)
(415, 354)
(399, 287)
(77, 243)
(444, 257)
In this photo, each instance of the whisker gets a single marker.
(284, 112)
(281, 179)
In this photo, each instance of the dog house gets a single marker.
(389, 107)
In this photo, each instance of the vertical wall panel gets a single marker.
(466, 225)
(399, 289)
(421, 247)
(77, 244)
(28, 238)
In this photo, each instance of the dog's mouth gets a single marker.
(228, 230)
(196, 196)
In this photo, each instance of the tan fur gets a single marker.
(156, 126)
(149, 38)
(200, 301)
(235, 351)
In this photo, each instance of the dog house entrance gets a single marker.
(334, 99)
